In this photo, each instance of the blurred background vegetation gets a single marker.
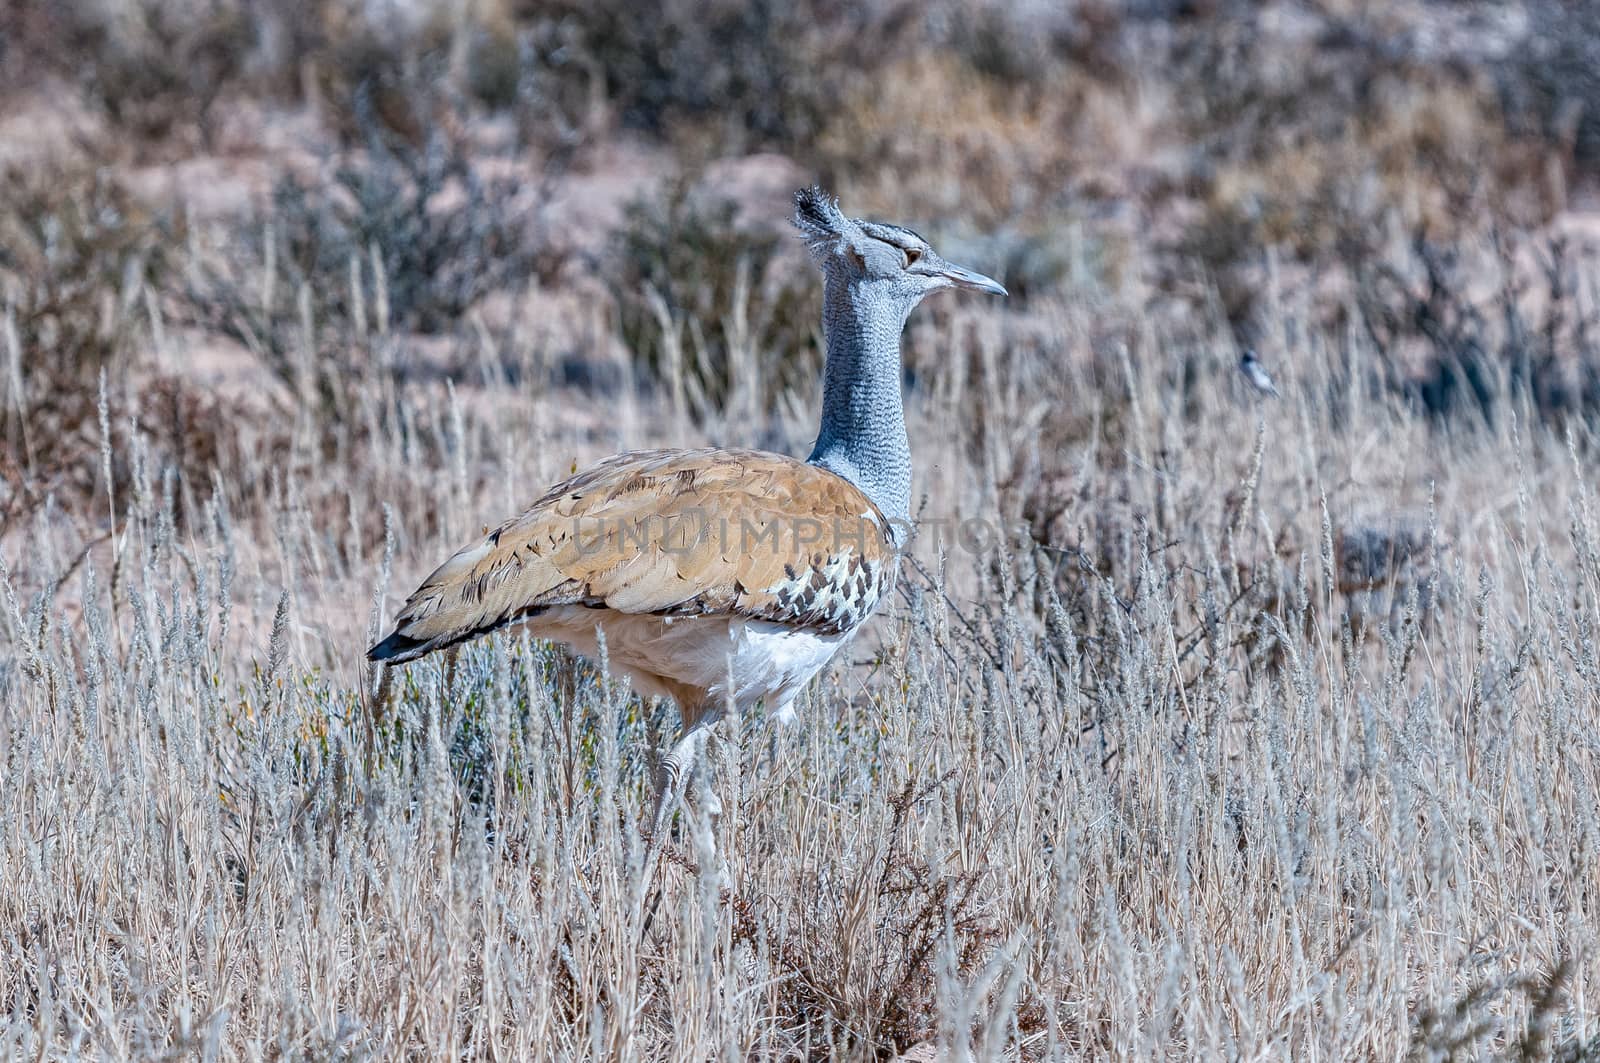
(296, 179)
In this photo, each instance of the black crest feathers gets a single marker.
(817, 216)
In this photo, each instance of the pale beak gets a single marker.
(966, 278)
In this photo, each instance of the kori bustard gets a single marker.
(720, 576)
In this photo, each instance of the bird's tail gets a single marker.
(398, 648)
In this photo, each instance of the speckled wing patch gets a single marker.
(731, 533)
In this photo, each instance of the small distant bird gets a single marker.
(718, 576)
(1256, 373)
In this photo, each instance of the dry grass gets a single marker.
(1103, 823)
(1221, 729)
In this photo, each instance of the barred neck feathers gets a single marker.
(863, 432)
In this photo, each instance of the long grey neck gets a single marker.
(863, 434)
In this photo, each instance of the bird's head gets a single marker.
(885, 261)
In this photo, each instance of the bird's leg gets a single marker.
(674, 781)
(682, 781)
(672, 776)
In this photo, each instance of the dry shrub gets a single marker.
(404, 237)
(1464, 1026)
(1327, 157)
(1023, 164)
(719, 307)
(156, 67)
(1549, 78)
(70, 236)
(1415, 154)
(1470, 330)
(77, 254)
(763, 74)
(865, 947)
(947, 137)
(83, 270)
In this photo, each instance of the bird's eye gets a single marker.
(912, 255)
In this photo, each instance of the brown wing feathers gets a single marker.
(676, 533)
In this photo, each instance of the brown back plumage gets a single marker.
(712, 532)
